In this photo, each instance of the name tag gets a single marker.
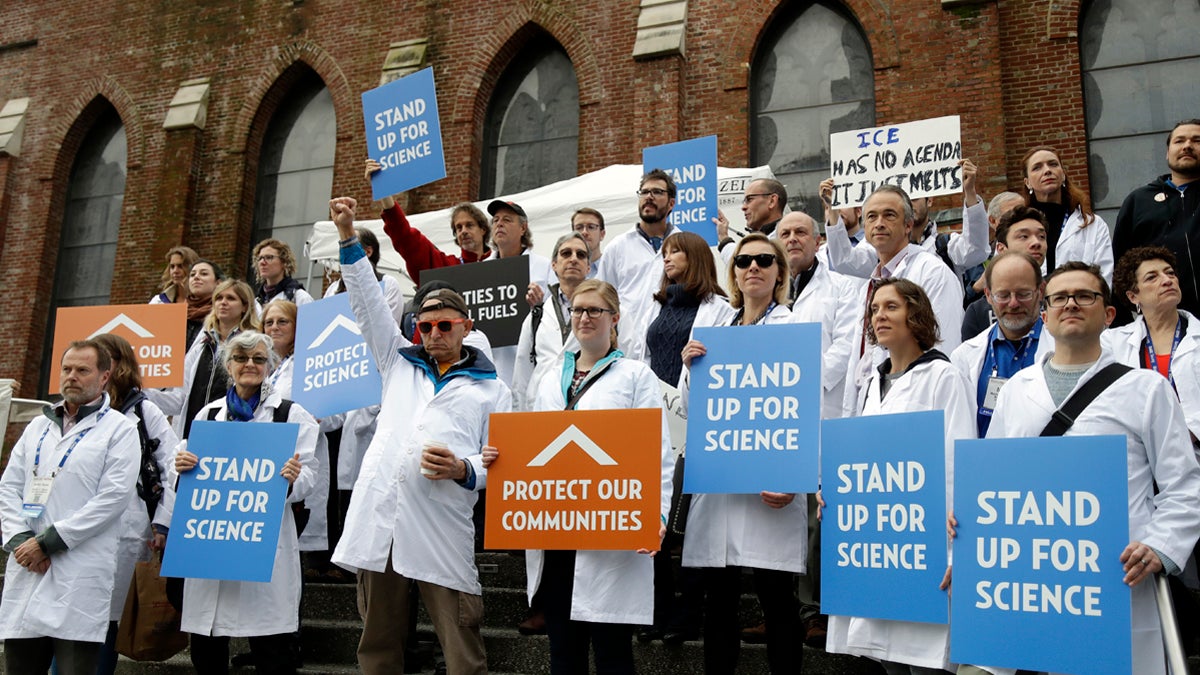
(993, 392)
(36, 495)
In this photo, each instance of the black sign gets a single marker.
(495, 294)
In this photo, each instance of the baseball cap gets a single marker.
(498, 204)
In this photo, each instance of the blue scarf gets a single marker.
(238, 410)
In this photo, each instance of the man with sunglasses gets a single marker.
(1015, 341)
(1164, 477)
(410, 519)
(633, 262)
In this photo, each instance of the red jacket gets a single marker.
(418, 252)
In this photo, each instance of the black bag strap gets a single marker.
(1065, 416)
(535, 320)
(144, 433)
(574, 399)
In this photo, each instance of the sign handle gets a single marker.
(1170, 628)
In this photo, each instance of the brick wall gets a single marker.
(1010, 68)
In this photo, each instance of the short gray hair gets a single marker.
(245, 343)
(568, 237)
(994, 206)
(909, 216)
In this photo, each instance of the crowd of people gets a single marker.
(999, 325)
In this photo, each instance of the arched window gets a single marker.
(532, 128)
(1138, 59)
(88, 244)
(812, 76)
(87, 247)
(295, 171)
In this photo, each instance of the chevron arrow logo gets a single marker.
(570, 435)
(122, 320)
(341, 321)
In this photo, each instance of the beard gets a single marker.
(1191, 170)
(654, 216)
(1016, 324)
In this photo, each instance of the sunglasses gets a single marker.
(443, 326)
(242, 358)
(764, 260)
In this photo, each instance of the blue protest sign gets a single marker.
(1038, 582)
(693, 165)
(754, 410)
(883, 534)
(404, 134)
(335, 371)
(229, 508)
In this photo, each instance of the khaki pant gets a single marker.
(383, 599)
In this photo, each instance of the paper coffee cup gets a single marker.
(430, 445)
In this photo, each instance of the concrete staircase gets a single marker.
(331, 627)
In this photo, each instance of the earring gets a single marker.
(1137, 308)
(1030, 190)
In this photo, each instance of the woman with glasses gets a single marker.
(914, 377)
(1162, 337)
(1074, 232)
(266, 613)
(274, 265)
(279, 324)
(766, 533)
(203, 380)
(613, 586)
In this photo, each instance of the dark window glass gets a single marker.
(295, 171)
(1138, 59)
(532, 127)
(811, 77)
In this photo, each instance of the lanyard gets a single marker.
(37, 456)
(278, 371)
(1019, 354)
(737, 318)
(1152, 360)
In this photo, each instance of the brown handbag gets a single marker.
(149, 626)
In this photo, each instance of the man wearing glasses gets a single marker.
(633, 263)
(1164, 477)
(410, 519)
(762, 206)
(589, 223)
(1016, 340)
(1021, 230)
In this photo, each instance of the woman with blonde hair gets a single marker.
(175, 276)
(232, 312)
(602, 611)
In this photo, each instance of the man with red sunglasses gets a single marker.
(410, 519)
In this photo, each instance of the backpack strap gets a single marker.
(281, 412)
(942, 246)
(1065, 416)
(535, 320)
(212, 414)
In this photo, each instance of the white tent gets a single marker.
(609, 190)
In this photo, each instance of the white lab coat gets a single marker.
(246, 608)
(740, 530)
(134, 525)
(1127, 343)
(424, 524)
(968, 358)
(1140, 406)
(635, 269)
(316, 533)
(831, 299)
(71, 600)
(929, 385)
(611, 586)
(1091, 244)
(540, 273)
(550, 346)
(945, 293)
(966, 249)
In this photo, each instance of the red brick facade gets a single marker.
(1010, 68)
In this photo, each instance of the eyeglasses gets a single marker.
(443, 325)
(764, 260)
(1005, 296)
(655, 192)
(1082, 299)
(242, 358)
(586, 227)
(267, 258)
(276, 322)
(750, 197)
(568, 253)
(592, 312)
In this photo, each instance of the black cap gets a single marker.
(498, 204)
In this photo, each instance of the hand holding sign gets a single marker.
(373, 167)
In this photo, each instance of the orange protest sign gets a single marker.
(156, 333)
(577, 480)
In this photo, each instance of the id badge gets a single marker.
(993, 392)
(36, 495)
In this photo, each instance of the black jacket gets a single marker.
(1159, 214)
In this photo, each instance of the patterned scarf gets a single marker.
(238, 410)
